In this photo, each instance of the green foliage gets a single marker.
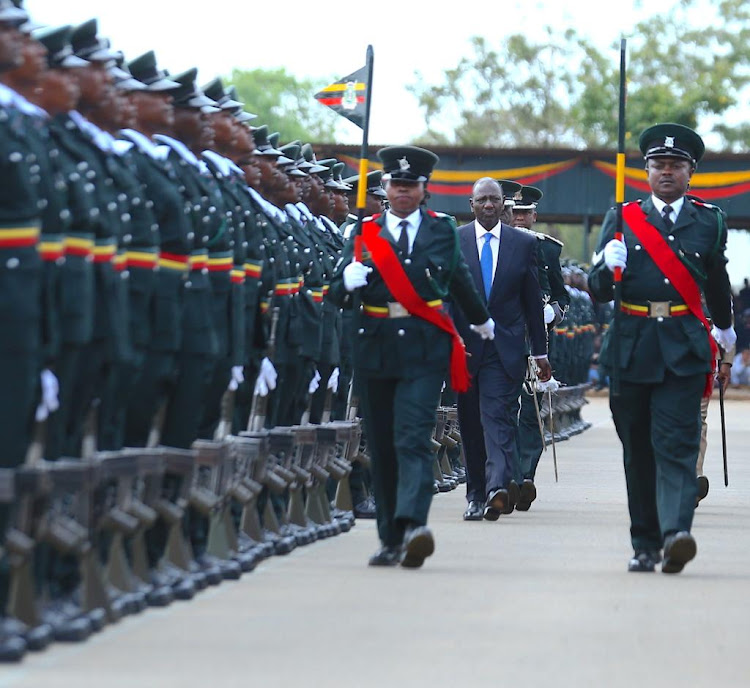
(286, 104)
(562, 91)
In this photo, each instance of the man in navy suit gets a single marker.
(502, 262)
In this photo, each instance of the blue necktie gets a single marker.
(485, 260)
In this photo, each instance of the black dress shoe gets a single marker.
(514, 493)
(365, 508)
(526, 496)
(497, 503)
(644, 561)
(474, 512)
(679, 549)
(418, 545)
(702, 489)
(386, 556)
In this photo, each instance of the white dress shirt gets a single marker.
(392, 223)
(494, 242)
(675, 205)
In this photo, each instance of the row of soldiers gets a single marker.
(163, 268)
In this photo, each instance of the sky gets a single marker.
(327, 40)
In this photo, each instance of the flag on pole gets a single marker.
(348, 96)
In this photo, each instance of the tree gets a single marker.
(285, 103)
(515, 95)
(563, 91)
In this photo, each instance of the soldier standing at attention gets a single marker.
(20, 296)
(672, 251)
(402, 347)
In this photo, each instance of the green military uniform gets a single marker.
(109, 342)
(21, 278)
(200, 341)
(158, 334)
(400, 363)
(139, 243)
(20, 302)
(664, 353)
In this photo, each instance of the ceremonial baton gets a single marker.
(619, 199)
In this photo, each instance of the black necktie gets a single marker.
(665, 213)
(403, 239)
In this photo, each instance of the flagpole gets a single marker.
(364, 159)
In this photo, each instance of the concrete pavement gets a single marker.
(536, 599)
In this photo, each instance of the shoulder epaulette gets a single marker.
(638, 201)
(703, 204)
(547, 237)
(528, 231)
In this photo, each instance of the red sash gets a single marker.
(675, 271)
(389, 267)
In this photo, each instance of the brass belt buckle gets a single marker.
(396, 310)
(659, 309)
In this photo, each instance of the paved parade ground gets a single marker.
(535, 599)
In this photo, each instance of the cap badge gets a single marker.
(518, 196)
(669, 142)
(349, 99)
(403, 164)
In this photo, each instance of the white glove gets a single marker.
(355, 275)
(726, 339)
(266, 378)
(615, 254)
(549, 314)
(238, 377)
(333, 380)
(552, 385)
(314, 383)
(50, 389)
(486, 330)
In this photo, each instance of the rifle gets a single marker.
(209, 496)
(259, 407)
(145, 493)
(250, 524)
(176, 557)
(243, 492)
(277, 478)
(117, 471)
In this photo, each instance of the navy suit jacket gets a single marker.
(515, 302)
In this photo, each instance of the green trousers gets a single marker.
(659, 426)
(399, 417)
(529, 441)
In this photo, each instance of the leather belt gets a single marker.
(393, 309)
(655, 309)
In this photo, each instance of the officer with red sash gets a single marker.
(672, 252)
(404, 343)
